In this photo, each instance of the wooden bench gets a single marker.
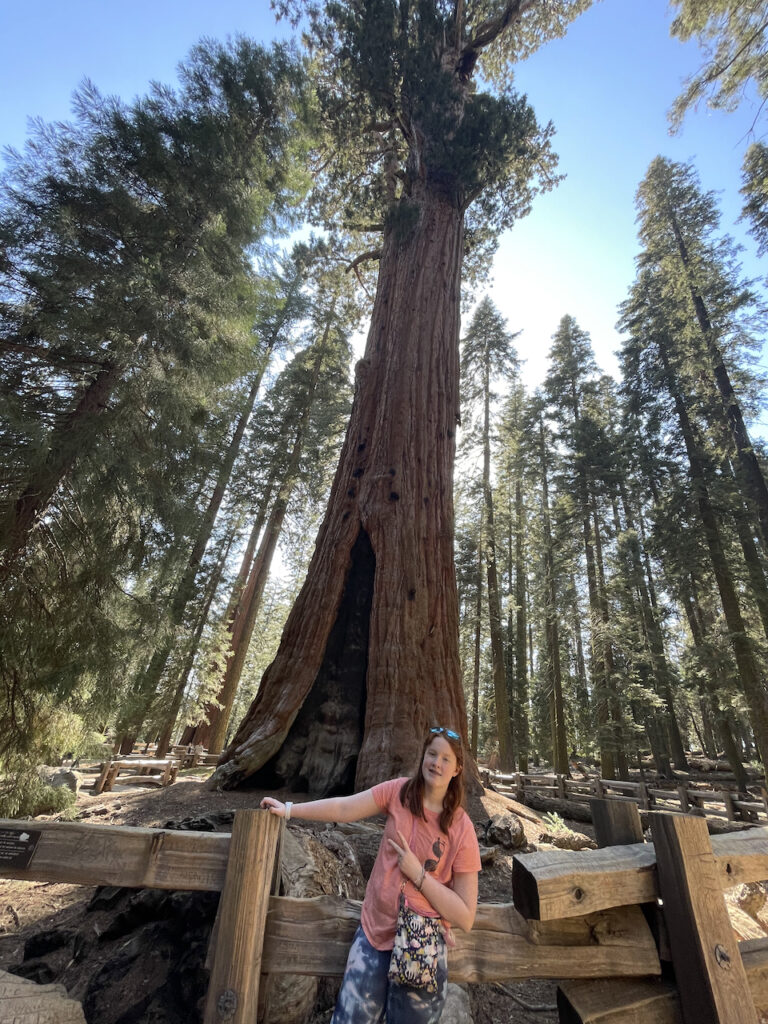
(140, 769)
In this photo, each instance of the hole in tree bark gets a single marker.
(319, 754)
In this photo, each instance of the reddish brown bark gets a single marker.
(393, 490)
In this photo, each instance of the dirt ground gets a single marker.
(29, 909)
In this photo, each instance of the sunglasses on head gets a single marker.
(438, 729)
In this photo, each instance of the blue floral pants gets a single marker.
(366, 994)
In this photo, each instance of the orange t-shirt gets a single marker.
(454, 853)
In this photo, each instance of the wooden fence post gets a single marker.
(643, 797)
(730, 808)
(710, 975)
(615, 823)
(234, 986)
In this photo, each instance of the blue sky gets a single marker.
(607, 86)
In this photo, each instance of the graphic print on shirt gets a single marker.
(437, 848)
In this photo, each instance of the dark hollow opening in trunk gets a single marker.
(319, 754)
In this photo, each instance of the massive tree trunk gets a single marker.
(369, 655)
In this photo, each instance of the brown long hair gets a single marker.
(412, 793)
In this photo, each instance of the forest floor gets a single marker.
(30, 909)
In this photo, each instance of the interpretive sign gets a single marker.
(17, 846)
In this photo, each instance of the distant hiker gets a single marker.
(423, 881)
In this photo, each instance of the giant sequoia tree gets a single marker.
(369, 654)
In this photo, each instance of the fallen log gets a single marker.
(576, 810)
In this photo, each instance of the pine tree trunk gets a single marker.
(476, 653)
(382, 577)
(755, 571)
(711, 701)
(616, 714)
(754, 689)
(250, 602)
(521, 667)
(551, 629)
(751, 472)
(65, 445)
(655, 642)
(166, 734)
(147, 684)
(503, 717)
(201, 732)
(582, 689)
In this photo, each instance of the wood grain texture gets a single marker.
(619, 1001)
(648, 1000)
(558, 884)
(24, 1002)
(119, 855)
(234, 984)
(312, 936)
(710, 976)
(616, 823)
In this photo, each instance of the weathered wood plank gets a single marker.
(709, 973)
(616, 823)
(648, 1000)
(119, 855)
(551, 885)
(24, 1002)
(233, 990)
(312, 936)
(556, 884)
(619, 1001)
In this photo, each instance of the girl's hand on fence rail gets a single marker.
(277, 807)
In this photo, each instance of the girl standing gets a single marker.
(429, 853)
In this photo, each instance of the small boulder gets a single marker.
(56, 777)
(506, 830)
(456, 1009)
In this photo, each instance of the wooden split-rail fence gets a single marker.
(608, 919)
(683, 798)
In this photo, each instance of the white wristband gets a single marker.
(288, 806)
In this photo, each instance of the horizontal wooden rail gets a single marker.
(680, 798)
(546, 886)
(312, 936)
(115, 855)
(619, 1001)
(558, 884)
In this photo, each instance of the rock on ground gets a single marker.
(506, 830)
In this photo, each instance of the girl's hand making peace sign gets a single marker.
(406, 858)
